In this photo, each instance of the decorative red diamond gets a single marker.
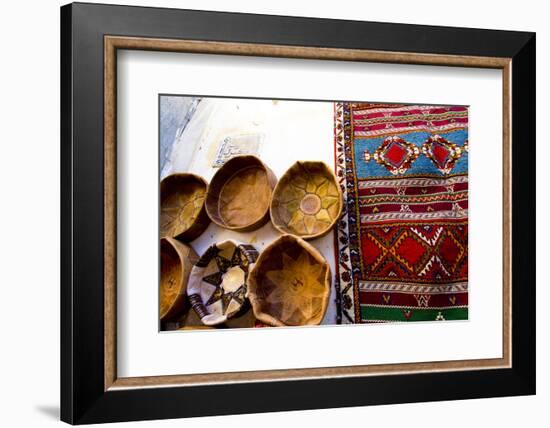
(442, 153)
(396, 154)
(410, 250)
(450, 251)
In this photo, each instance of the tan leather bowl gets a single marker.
(182, 212)
(307, 201)
(290, 284)
(176, 262)
(239, 194)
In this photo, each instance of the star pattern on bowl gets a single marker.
(179, 212)
(296, 291)
(309, 201)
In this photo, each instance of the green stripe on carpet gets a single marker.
(398, 314)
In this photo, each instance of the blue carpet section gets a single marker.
(422, 165)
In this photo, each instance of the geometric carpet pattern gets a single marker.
(402, 243)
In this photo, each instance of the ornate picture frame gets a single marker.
(91, 390)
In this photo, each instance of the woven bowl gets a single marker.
(239, 194)
(176, 262)
(217, 283)
(182, 212)
(307, 200)
(290, 284)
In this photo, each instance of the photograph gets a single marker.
(278, 212)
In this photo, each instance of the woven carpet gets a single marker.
(402, 243)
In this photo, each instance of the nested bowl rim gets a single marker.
(280, 183)
(260, 220)
(185, 176)
(250, 291)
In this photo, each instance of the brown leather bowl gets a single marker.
(290, 284)
(176, 262)
(239, 194)
(307, 201)
(182, 212)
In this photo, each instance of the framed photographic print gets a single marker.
(292, 213)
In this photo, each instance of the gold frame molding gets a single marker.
(113, 43)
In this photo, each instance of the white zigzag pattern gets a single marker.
(429, 265)
(425, 238)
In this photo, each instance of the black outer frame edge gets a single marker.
(524, 216)
(66, 306)
(167, 403)
(82, 397)
(299, 31)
